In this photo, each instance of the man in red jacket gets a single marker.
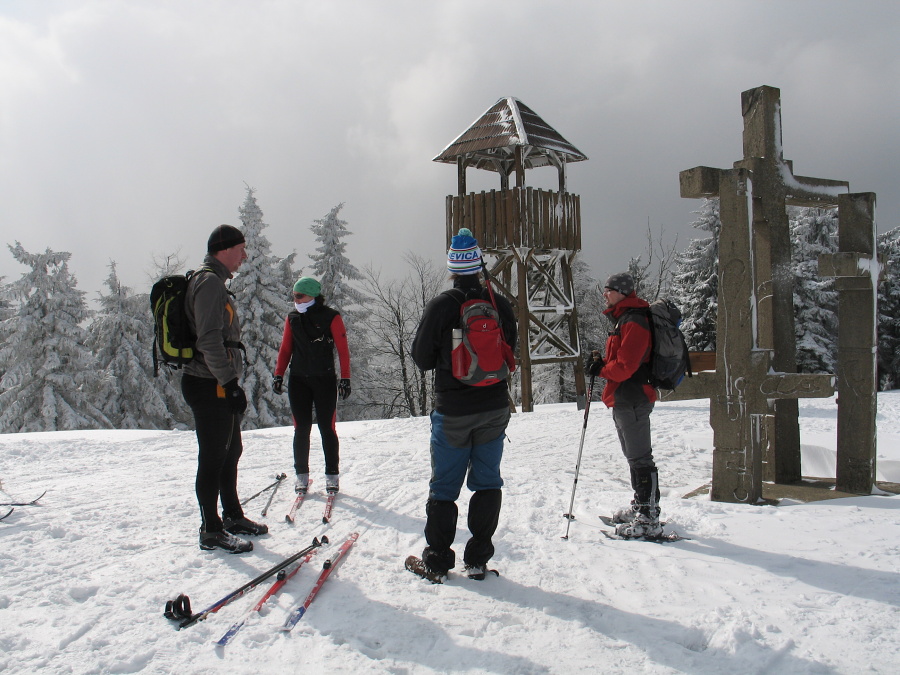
(627, 392)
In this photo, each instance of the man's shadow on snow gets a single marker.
(834, 577)
(402, 637)
(659, 639)
(380, 515)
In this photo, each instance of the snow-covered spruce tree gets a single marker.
(695, 283)
(121, 338)
(262, 289)
(50, 379)
(889, 312)
(813, 232)
(332, 268)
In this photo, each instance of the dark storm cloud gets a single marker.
(130, 129)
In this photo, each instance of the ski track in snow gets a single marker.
(791, 589)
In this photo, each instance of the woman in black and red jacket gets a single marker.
(312, 333)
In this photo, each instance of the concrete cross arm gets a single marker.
(851, 264)
(797, 385)
(815, 192)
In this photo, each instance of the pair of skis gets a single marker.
(298, 501)
(297, 613)
(179, 609)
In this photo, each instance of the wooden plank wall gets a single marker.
(517, 217)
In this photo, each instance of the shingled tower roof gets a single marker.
(491, 141)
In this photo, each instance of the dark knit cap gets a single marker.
(622, 282)
(224, 236)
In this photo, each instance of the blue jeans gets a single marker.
(470, 444)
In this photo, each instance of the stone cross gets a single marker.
(745, 380)
(774, 186)
(856, 269)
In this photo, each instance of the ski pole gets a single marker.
(587, 409)
(278, 479)
(179, 609)
(272, 496)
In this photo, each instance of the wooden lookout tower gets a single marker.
(530, 235)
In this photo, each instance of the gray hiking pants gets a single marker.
(633, 426)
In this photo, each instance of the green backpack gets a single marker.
(173, 339)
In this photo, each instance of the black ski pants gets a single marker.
(220, 448)
(304, 393)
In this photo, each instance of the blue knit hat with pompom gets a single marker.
(464, 256)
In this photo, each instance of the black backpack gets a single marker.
(669, 360)
(173, 340)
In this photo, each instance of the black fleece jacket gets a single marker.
(432, 345)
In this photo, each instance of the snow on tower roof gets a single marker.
(490, 141)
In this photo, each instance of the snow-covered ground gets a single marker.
(798, 588)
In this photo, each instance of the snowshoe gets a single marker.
(479, 572)
(642, 525)
(418, 567)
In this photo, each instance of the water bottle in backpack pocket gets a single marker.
(480, 355)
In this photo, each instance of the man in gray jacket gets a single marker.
(210, 387)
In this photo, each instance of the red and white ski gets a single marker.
(296, 505)
(329, 567)
(329, 505)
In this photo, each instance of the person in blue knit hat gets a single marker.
(464, 256)
(468, 423)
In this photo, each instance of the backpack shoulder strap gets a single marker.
(455, 293)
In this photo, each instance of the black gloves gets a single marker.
(235, 397)
(595, 364)
(344, 389)
(278, 384)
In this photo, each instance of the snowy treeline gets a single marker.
(65, 366)
(813, 232)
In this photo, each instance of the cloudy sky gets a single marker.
(129, 128)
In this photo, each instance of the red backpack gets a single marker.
(480, 355)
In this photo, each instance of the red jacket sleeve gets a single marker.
(339, 335)
(285, 351)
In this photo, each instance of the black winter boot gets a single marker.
(225, 541)
(243, 525)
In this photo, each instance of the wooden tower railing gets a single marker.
(517, 217)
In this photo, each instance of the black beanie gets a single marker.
(224, 236)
